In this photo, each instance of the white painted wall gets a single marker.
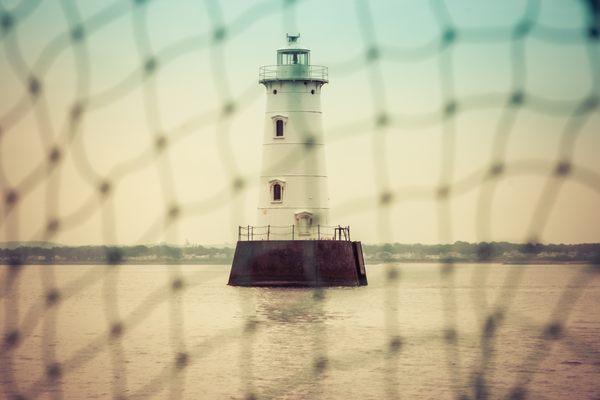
(297, 159)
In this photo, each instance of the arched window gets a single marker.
(279, 124)
(276, 188)
(276, 192)
(279, 128)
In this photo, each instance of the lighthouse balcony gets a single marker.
(293, 72)
(293, 232)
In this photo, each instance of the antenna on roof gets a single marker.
(292, 39)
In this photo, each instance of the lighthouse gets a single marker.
(294, 243)
(293, 181)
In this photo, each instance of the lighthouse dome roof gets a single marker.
(293, 45)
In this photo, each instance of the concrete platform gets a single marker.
(299, 263)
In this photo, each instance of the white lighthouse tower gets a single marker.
(293, 182)
(292, 244)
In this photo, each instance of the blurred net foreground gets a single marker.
(445, 331)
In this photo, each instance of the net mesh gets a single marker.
(76, 36)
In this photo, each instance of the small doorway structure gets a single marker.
(304, 221)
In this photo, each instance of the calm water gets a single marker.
(391, 339)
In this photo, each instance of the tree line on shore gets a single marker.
(502, 252)
(140, 254)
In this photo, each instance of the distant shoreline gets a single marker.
(195, 262)
(43, 253)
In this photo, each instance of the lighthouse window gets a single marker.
(292, 58)
(279, 128)
(274, 91)
(312, 91)
(277, 192)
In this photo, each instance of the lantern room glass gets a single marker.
(293, 58)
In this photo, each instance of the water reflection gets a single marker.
(290, 338)
(291, 305)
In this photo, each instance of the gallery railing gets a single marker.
(293, 232)
(269, 73)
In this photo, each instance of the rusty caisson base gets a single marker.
(298, 263)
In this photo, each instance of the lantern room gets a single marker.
(293, 64)
(293, 54)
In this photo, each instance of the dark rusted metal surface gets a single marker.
(360, 262)
(298, 263)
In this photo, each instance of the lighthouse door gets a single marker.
(304, 221)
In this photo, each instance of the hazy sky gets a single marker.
(192, 79)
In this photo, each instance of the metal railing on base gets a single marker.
(293, 232)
